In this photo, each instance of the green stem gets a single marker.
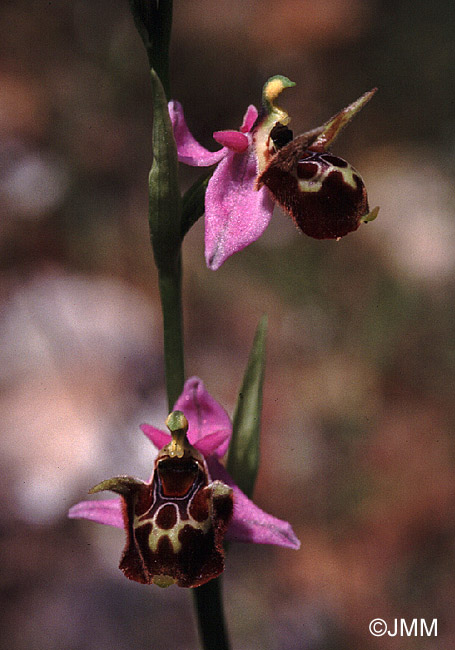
(153, 20)
(208, 602)
(170, 284)
(159, 55)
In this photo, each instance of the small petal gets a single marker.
(233, 140)
(236, 214)
(250, 523)
(107, 512)
(156, 436)
(189, 150)
(205, 416)
(249, 119)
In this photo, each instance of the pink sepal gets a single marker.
(107, 512)
(235, 213)
(205, 416)
(189, 151)
(250, 523)
(209, 426)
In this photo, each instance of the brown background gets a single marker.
(357, 445)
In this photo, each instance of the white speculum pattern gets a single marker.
(217, 489)
(314, 184)
(172, 533)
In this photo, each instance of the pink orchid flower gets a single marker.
(262, 164)
(176, 522)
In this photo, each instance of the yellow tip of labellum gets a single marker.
(371, 216)
(163, 581)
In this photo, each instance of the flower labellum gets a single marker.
(175, 524)
(324, 194)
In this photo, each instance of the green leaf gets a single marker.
(164, 193)
(243, 458)
(193, 204)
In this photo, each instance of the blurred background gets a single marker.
(358, 419)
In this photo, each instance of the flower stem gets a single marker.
(170, 284)
(208, 602)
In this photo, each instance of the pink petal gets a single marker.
(107, 512)
(205, 416)
(214, 443)
(156, 436)
(250, 523)
(249, 118)
(189, 150)
(236, 214)
(233, 140)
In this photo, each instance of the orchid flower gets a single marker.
(176, 522)
(261, 164)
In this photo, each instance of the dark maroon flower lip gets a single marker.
(324, 194)
(176, 526)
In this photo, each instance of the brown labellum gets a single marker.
(175, 524)
(324, 194)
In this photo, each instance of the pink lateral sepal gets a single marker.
(108, 512)
(250, 523)
(236, 214)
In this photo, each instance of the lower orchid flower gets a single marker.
(262, 164)
(176, 523)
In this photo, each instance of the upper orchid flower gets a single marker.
(176, 522)
(262, 164)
